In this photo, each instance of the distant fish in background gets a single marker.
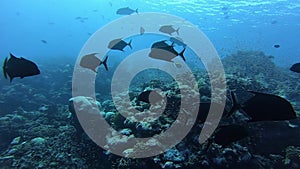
(118, 44)
(168, 29)
(91, 62)
(142, 30)
(81, 19)
(295, 68)
(126, 11)
(276, 46)
(264, 107)
(225, 8)
(225, 12)
(273, 22)
(19, 67)
(44, 41)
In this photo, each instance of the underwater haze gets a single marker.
(42, 97)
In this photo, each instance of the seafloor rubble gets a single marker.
(39, 130)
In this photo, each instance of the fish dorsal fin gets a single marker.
(12, 56)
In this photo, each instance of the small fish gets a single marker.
(126, 11)
(225, 135)
(81, 19)
(142, 31)
(226, 16)
(274, 22)
(295, 68)
(91, 62)
(150, 96)
(264, 107)
(161, 50)
(119, 44)
(178, 41)
(44, 41)
(225, 8)
(168, 29)
(19, 67)
(276, 46)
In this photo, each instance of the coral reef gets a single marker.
(39, 127)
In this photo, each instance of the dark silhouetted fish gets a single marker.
(119, 44)
(225, 135)
(204, 110)
(44, 41)
(277, 46)
(264, 107)
(163, 51)
(91, 62)
(273, 22)
(150, 96)
(19, 67)
(168, 29)
(295, 68)
(126, 11)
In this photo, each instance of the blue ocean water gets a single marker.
(230, 25)
(52, 34)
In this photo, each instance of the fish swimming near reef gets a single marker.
(168, 29)
(126, 11)
(19, 67)
(91, 62)
(204, 108)
(163, 51)
(119, 44)
(295, 68)
(264, 107)
(276, 46)
(149, 96)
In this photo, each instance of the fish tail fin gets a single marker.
(104, 62)
(177, 31)
(129, 44)
(136, 11)
(4, 68)
(181, 54)
(235, 104)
